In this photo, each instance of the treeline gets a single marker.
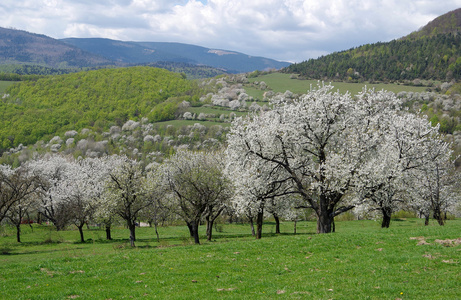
(20, 72)
(35, 110)
(435, 58)
(192, 71)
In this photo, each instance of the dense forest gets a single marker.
(34, 110)
(192, 71)
(436, 58)
(20, 72)
(17, 72)
(17, 46)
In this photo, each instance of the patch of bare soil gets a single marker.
(449, 243)
(446, 243)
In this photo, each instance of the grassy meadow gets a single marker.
(359, 261)
(280, 82)
(4, 85)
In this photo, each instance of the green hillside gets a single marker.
(436, 58)
(432, 53)
(447, 23)
(19, 47)
(98, 99)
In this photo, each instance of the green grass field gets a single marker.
(4, 85)
(359, 261)
(181, 123)
(280, 82)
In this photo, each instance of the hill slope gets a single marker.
(434, 52)
(45, 55)
(52, 105)
(449, 23)
(147, 52)
(17, 46)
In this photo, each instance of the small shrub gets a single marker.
(49, 239)
(347, 216)
(450, 216)
(4, 250)
(3, 232)
(401, 214)
(187, 240)
(163, 243)
(219, 227)
(119, 246)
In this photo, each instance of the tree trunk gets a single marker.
(18, 232)
(259, 224)
(156, 232)
(324, 221)
(438, 216)
(191, 230)
(252, 226)
(209, 228)
(294, 227)
(108, 235)
(80, 230)
(194, 226)
(132, 227)
(386, 218)
(277, 223)
(426, 220)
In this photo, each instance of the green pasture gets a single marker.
(359, 261)
(180, 123)
(4, 85)
(279, 82)
(216, 110)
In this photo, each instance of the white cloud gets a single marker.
(292, 30)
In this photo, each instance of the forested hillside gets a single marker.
(17, 46)
(34, 110)
(150, 52)
(192, 71)
(27, 53)
(434, 53)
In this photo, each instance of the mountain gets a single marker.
(449, 23)
(20, 47)
(433, 52)
(25, 53)
(148, 52)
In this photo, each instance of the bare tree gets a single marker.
(126, 191)
(197, 187)
(17, 187)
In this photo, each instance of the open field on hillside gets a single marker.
(216, 110)
(280, 82)
(180, 123)
(4, 85)
(359, 261)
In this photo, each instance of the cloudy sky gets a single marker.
(289, 30)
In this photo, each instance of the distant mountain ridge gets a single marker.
(147, 52)
(18, 47)
(433, 52)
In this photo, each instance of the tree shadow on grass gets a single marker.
(11, 252)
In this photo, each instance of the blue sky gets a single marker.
(289, 30)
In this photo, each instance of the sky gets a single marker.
(286, 30)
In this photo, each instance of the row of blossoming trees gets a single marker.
(66, 191)
(325, 151)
